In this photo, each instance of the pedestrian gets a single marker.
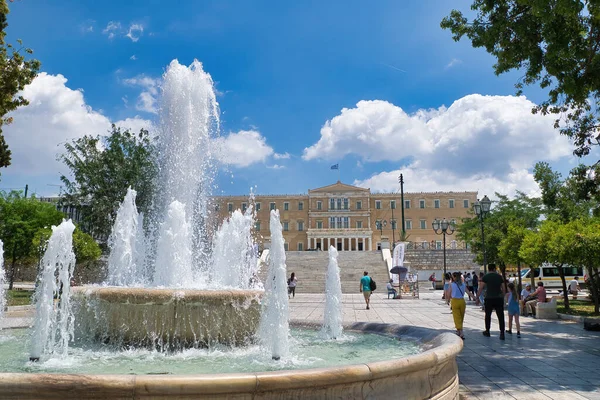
(447, 281)
(492, 283)
(292, 285)
(469, 281)
(481, 293)
(456, 298)
(574, 287)
(475, 284)
(365, 288)
(512, 299)
(432, 280)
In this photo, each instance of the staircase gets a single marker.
(311, 267)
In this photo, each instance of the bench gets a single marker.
(546, 310)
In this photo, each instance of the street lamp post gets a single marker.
(382, 224)
(445, 228)
(481, 209)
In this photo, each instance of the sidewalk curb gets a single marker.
(571, 317)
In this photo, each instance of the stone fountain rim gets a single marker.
(439, 347)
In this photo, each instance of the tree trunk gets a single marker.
(593, 281)
(503, 269)
(11, 278)
(561, 273)
(520, 280)
(532, 277)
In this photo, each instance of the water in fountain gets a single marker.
(274, 326)
(2, 282)
(332, 323)
(53, 323)
(189, 122)
(234, 255)
(174, 254)
(126, 243)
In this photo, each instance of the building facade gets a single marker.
(352, 218)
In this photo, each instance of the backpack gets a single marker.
(372, 284)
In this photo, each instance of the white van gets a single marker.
(549, 275)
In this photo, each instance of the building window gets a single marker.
(271, 206)
(408, 224)
(394, 224)
(300, 247)
(332, 223)
(438, 244)
(338, 223)
(319, 205)
(359, 205)
(406, 204)
(378, 204)
(378, 224)
(393, 204)
(300, 206)
(421, 203)
(436, 204)
(244, 207)
(300, 226)
(358, 224)
(465, 203)
(332, 204)
(257, 206)
(339, 204)
(346, 222)
(286, 206)
(230, 207)
(286, 246)
(286, 226)
(257, 225)
(451, 203)
(423, 223)
(319, 224)
(346, 203)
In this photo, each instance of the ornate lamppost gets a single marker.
(382, 224)
(445, 228)
(481, 209)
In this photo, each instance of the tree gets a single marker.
(509, 247)
(15, 74)
(20, 219)
(102, 168)
(84, 246)
(587, 248)
(556, 43)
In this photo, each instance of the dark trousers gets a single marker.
(491, 305)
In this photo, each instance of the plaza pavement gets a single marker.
(553, 359)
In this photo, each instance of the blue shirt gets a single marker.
(365, 281)
(458, 290)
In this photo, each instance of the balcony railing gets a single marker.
(434, 245)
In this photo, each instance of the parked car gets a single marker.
(548, 274)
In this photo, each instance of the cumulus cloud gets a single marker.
(112, 29)
(243, 148)
(55, 114)
(493, 139)
(135, 32)
(147, 100)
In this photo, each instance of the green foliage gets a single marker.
(84, 246)
(556, 43)
(103, 167)
(19, 297)
(20, 219)
(15, 73)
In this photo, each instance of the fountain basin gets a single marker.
(168, 319)
(432, 374)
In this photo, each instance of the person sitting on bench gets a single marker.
(539, 296)
(391, 289)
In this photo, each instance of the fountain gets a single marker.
(2, 281)
(180, 299)
(332, 323)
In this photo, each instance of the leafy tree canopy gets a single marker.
(557, 45)
(15, 73)
(102, 168)
(84, 246)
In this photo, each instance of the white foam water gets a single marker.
(53, 322)
(274, 328)
(332, 321)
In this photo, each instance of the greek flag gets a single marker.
(335, 166)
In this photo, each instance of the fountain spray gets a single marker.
(53, 323)
(332, 322)
(2, 281)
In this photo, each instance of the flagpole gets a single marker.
(339, 173)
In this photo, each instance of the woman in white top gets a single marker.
(455, 295)
(292, 285)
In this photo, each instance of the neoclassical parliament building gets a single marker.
(352, 218)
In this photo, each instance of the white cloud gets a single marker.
(112, 29)
(243, 148)
(147, 100)
(133, 57)
(276, 166)
(283, 156)
(479, 141)
(135, 32)
(452, 63)
(55, 114)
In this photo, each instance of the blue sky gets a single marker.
(283, 70)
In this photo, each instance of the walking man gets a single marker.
(494, 299)
(365, 287)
